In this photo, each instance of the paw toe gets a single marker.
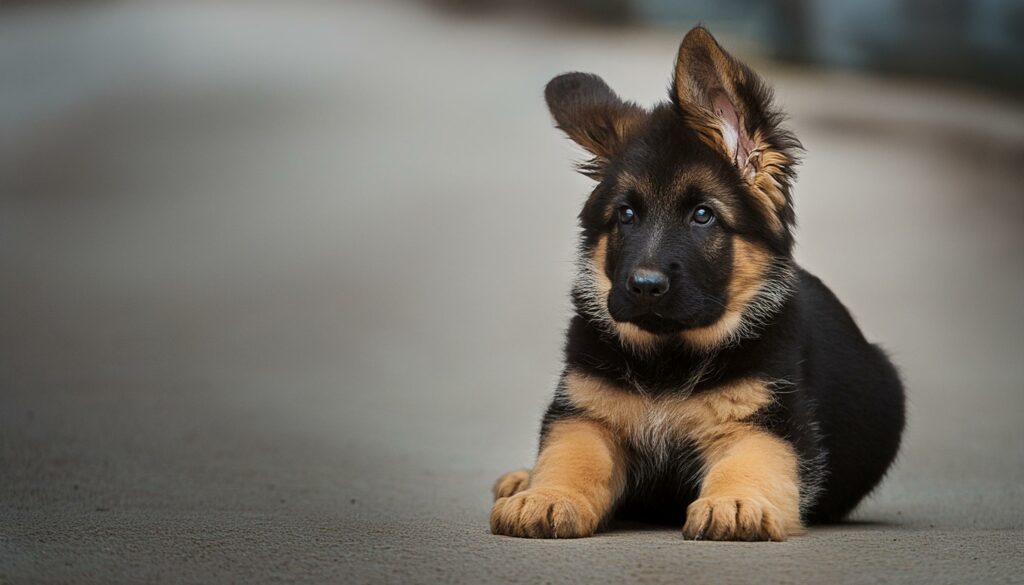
(542, 513)
(733, 518)
(511, 483)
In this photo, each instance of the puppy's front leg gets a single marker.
(577, 478)
(750, 492)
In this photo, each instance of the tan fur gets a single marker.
(766, 179)
(770, 165)
(709, 129)
(579, 474)
(639, 417)
(511, 483)
(626, 181)
(749, 263)
(743, 463)
(750, 491)
(620, 122)
(637, 338)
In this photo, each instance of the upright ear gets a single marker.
(731, 110)
(590, 113)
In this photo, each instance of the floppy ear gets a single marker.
(590, 113)
(731, 110)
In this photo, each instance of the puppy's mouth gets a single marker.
(654, 323)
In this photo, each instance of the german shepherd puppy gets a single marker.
(709, 381)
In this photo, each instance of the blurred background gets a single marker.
(282, 285)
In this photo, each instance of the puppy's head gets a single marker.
(688, 232)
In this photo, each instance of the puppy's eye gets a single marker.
(626, 214)
(703, 215)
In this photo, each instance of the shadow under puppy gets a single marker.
(708, 379)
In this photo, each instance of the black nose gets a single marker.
(648, 284)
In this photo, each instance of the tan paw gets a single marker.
(733, 518)
(511, 483)
(543, 513)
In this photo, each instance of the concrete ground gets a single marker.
(282, 290)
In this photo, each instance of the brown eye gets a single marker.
(703, 215)
(626, 214)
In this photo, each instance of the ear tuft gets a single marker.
(593, 116)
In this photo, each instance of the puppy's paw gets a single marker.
(511, 483)
(734, 518)
(543, 513)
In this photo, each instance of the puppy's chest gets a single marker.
(648, 422)
(665, 422)
(658, 428)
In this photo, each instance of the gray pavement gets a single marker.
(282, 293)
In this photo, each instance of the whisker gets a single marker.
(715, 300)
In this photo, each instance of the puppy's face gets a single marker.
(666, 238)
(687, 235)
